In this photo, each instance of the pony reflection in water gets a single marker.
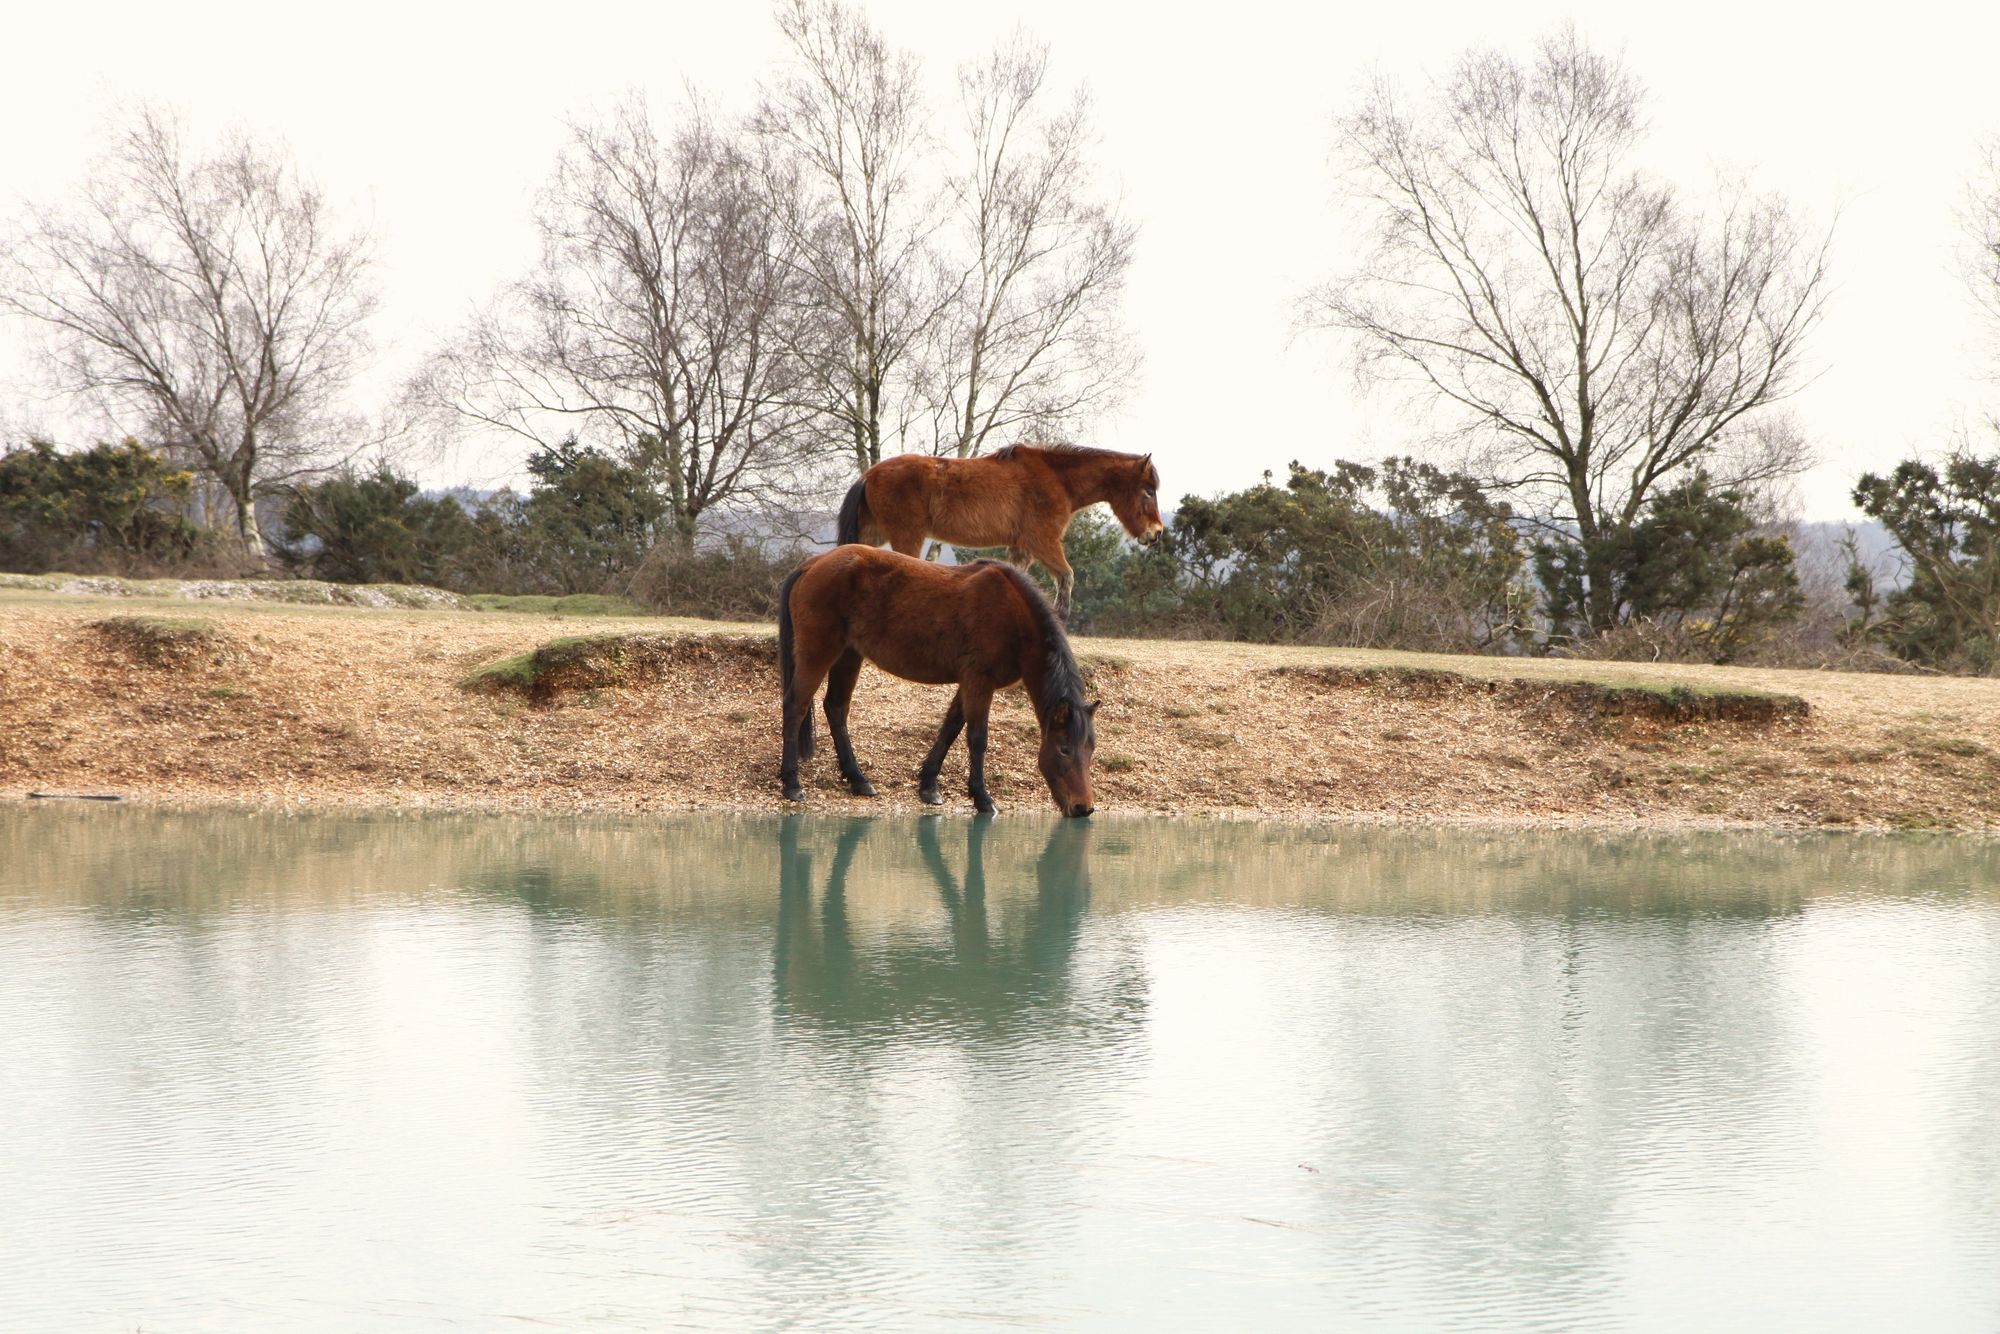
(995, 967)
(980, 627)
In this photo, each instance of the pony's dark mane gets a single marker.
(1061, 447)
(1061, 679)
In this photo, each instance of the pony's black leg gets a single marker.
(798, 729)
(798, 723)
(839, 691)
(927, 776)
(976, 710)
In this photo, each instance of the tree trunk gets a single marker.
(248, 532)
(1597, 570)
(238, 479)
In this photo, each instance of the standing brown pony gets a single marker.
(980, 627)
(1020, 497)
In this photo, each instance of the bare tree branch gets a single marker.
(212, 297)
(848, 157)
(1589, 335)
(659, 320)
(1031, 344)
(1981, 220)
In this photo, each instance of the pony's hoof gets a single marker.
(795, 794)
(930, 796)
(985, 806)
(861, 787)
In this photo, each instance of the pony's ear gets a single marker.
(1059, 715)
(1091, 708)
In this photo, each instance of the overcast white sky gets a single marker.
(438, 122)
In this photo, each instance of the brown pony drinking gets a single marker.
(980, 627)
(1020, 497)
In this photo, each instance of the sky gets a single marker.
(437, 123)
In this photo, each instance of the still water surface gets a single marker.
(260, 1072)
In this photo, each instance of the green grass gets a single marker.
(573, 604)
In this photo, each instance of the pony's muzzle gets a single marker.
(1079, 811)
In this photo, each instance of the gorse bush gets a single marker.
(376, 527)
(584, 526)
(1400, 556)
(1692, 580)
(736, 580)
(587, 521)
(1946, 523)
(112, 508)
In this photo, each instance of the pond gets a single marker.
(347, 1073)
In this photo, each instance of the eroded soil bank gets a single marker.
(336, 706)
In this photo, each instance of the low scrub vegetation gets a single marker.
(1400, 555)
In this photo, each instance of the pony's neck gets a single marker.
(1049, 677)
(1086, 477)
(1048, 666)
(1035, 681)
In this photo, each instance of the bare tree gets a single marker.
(657, 320)
(213, 302)
(1584, 334)
(845, 138)
(1030, 341)
(1982, 230)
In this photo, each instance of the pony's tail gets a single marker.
(785, 632)
(854, 515)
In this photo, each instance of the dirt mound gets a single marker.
(545, 675)
(164, 641)
(1584, 700)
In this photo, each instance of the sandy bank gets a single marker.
(336, 706)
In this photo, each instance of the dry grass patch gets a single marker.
(335, 705)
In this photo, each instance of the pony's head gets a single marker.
(1136, 500)
(1069, 745)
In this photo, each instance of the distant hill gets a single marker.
(1818, 545)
